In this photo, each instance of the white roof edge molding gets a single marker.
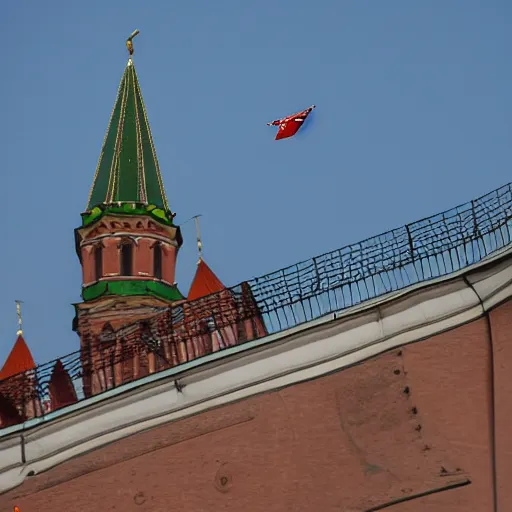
(280, 360)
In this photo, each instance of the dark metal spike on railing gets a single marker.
(475, 221)
(411, 243)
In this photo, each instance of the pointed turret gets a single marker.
(205, 282)
(19, 360)
(19, 399)
(128, 170)
(60, 388)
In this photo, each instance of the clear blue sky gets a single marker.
(414, 116)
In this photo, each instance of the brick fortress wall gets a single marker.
(421, 428)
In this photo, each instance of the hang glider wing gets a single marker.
(289, 126)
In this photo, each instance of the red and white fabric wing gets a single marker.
(289, 126)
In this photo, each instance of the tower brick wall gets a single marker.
(142, 234)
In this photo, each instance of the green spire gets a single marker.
(128, 170)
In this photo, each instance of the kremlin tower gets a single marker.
(128, 246)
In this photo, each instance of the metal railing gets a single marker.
(433, 247)
(430, 248)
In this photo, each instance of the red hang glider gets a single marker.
(289, 126)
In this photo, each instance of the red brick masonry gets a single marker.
(432, 416)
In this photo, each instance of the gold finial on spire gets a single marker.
(19, 332)
(199, 243)
(129, 43)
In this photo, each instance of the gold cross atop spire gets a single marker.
(129, 43)
(20, 320)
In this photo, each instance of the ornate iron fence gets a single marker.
(430, 248)
(424, 250)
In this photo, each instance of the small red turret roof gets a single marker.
(205, 282)
(19, 360)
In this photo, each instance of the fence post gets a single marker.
(411, 243)
(476, 231)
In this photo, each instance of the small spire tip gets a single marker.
(19, 332)
(199, 242)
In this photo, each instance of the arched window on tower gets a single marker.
(126, 256)
(98, 262)
(157, 261)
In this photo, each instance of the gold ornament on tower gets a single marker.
(129, 43)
